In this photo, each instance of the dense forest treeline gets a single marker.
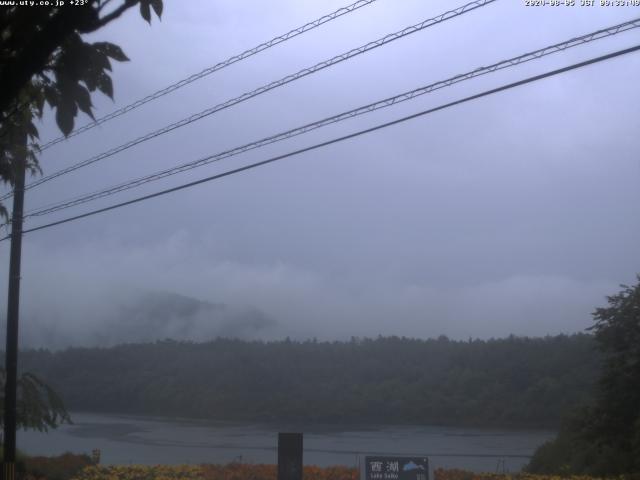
(508, 382)
(601, 438)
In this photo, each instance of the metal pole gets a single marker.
(289, 456)
(13, 307)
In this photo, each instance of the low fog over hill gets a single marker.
(137, 316)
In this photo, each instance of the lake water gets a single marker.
(146, 440)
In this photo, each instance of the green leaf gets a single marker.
(52, 96)
(157, 7)
(111, 50)
(83, 99)
(91, 79)
(39, 103)
(145, 10)
(105, 85)
(32, 131)
(38, 407)
(65, 115)
(99, 60)
(33, 165)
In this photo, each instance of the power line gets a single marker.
(219, 66)
(265, 88)
(558, 47)
(340, 139)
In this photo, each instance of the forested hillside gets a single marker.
(508, 382)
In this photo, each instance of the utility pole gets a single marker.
(13, 311)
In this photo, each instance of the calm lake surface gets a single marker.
(149, 440)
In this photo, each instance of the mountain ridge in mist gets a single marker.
(142, 316)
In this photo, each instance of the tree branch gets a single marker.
(117, 12)
(18, 71)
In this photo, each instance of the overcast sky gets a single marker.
(513, 214)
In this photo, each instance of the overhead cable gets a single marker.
(218, 66)
(339, 139)
(387, 102)
(265, 88)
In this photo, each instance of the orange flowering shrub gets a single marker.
(330, 473)
(239, 471)
(455, 474)
(140, 472)
(62, 467)
(231, 471)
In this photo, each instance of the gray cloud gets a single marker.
(514, 214)
(97, 299)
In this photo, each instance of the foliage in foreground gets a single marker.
(38, 406)
(45, 60)
(79, 467)
(236, 471)
(455, 474)
(62, 467)
(604, 438)
(232, 471)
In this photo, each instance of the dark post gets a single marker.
(289, 456)
(13, 307)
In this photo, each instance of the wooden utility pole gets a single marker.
(13, 310)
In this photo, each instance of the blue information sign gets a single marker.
(396, 468)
